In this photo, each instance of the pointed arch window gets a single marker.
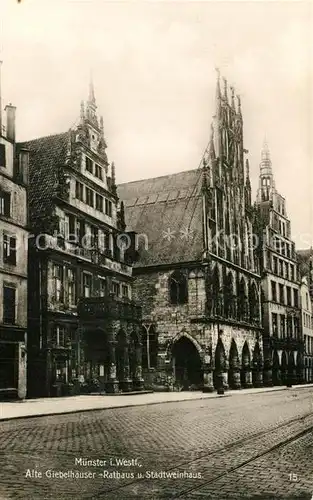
(178, 288)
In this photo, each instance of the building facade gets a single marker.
(307, 329)
(84, 326)
(283, 341)
(13, 259)
(196, 274)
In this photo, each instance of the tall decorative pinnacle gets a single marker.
(92, 99)
(239, 104)
(233, 97)
(113, 173)
(225, 89)
(218, 86)
(247, 171)
(211, 151)
(101, 126)
(82, 112)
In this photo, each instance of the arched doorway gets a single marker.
(220, 363)
(276, 369)
(284, 368)
(245, 373)
(187, 365)
(96, 354)
(234, 367)
(257, 374)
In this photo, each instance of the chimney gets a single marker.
(10, 132)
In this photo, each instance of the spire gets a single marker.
(211, 150)
(82, 112)
(91, 106)
(92, 99)
(218, 89)
(266, 164)
(225, 89)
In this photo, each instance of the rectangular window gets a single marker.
(58, 283)
(281, 294)
(108, 207)
(9, 305)
(9, 249)
(125, 291)
(79, 192)
(296, 327)
(289, 296)
(89, 197)
(2, 154)
(295, 298)
(99, 202)
(116, 289)
(274, 295)
(72, 226)
(98, 172)
(89, 165)
(87, 280)
(275, 266)
(94, 237)
(102, 287)
(292, 274)
(289, 327)
(281, 270)
(5, 203)
(282, 326)
(59, 336)
(286, 270)
(71, 288)
(274, 324)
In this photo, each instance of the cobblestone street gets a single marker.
(244, 446)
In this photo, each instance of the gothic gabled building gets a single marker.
(196, 275)
(283, 340)
(84, 328)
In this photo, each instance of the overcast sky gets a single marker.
(153, 66)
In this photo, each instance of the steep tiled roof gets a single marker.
(168, 210)
(303, 260)
(46, 154)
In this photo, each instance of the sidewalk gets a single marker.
(55, 406)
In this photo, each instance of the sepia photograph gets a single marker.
(156, 249)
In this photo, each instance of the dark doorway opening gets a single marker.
(187, 364)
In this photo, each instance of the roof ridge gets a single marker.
(159, 176)
(45, 137)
